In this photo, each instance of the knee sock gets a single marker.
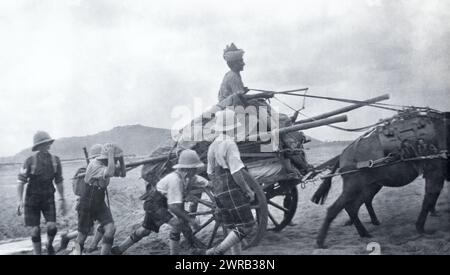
(51, 233)
(36, 240)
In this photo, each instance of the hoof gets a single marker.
(377, 222)
(420, 229)
(348, 223)
(429, 232)
(435, 214)
(320, 245)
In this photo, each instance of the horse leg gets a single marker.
(352, 210)
(373, 216)
(369, 207)
(434, 212)
(434, 183)
(332, 212)
(349, 222)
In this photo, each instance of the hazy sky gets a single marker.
(74, 68)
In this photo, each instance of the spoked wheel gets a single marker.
(282, 199)
(211, 231)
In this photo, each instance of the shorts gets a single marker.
(155, 216)
(91, 210)
(156, 211)
(37, 203)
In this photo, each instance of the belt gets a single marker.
(95, 186)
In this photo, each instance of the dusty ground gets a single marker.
(397, 209)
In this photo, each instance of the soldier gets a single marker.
(92, 206)
(165, 204)
(94, 152)
(228, 176)
(40, 171)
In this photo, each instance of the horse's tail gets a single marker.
(322, 192)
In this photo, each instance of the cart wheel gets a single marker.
(211, 231)
(282, 199)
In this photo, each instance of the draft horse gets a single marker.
(395, 154)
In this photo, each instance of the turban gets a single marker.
(232, 53)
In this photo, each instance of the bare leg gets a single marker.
(79, 244)
(65, 239)
(108, 238)
(135, 237)
(96, 240)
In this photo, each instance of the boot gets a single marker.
(236, 249)
(174, 247)
(118, 250)
(231, 240)
(37, 248)
(64, 242)
(106, 249)
(91, 249)
(50, 250)
(78, 249)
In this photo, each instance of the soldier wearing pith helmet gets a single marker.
(42, 172)
(78, 187)
(92, 206)
(165, 203)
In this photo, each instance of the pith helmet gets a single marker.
(95, 151)
(105, 150)
(225, 121)
(40, 138)
(189, 159)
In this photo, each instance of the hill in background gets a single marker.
(133, 139)
(136, 140)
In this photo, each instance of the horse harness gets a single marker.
(407, 137)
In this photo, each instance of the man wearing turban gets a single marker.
(232, 81)
(232, 85)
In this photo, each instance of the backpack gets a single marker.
(78, 183)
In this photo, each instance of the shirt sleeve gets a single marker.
(58, 176)
(233, 158)
(200, 181)
(174, 192)
(24, 172)
(95, 171)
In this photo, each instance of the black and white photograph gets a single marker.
(254, 128)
